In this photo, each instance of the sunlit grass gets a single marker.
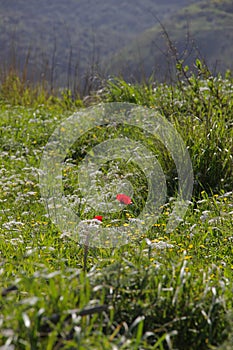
(162, 290)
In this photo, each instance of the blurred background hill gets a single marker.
(65, 42)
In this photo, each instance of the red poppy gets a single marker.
(123, 198)
(98, 217)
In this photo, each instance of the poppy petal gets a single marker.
(99, 217)
(123, 198)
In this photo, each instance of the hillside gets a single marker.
(60, 40)
(201, 29)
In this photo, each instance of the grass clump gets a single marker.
(200, 107)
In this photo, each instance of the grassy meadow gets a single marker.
(162, 290)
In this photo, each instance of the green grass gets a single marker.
(162, 290)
